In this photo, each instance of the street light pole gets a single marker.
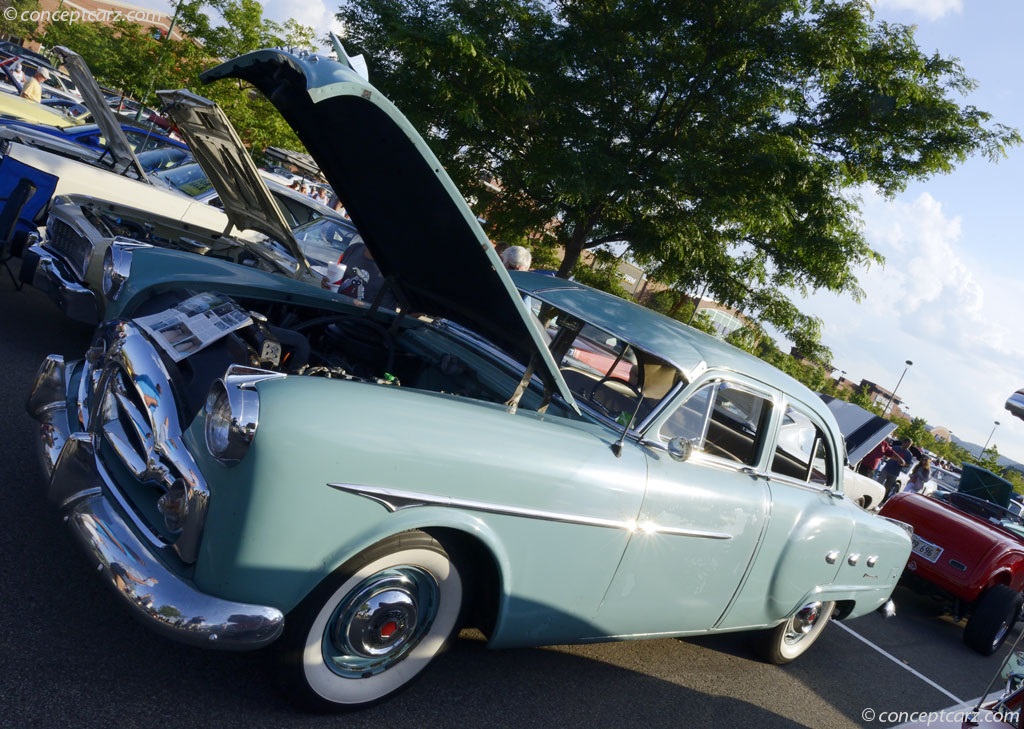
(887, 404)
(989, 438)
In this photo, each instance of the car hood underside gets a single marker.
(420, 230)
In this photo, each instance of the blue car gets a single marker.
(91, 136)
(250, 460)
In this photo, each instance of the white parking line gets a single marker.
(898, 662)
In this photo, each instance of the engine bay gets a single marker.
(353, 343)
(111, 221)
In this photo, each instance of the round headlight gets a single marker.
(233, 412)
(218, 422)
(231, 420)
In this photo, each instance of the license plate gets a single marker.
(926, 550)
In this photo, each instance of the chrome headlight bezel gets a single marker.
(232, 413)
(117, 265)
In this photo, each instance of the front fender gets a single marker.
(292, 510)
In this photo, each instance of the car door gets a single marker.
(702, 518)
(808, 534)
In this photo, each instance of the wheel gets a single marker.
(790, 640)
(993, 618)
(372, 626)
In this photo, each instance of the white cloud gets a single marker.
(933, 304)
(929, 9)
(318, 14)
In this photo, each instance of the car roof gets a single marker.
(690, 350)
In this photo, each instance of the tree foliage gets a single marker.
(127, 57)
(18, 24)
(722, 142)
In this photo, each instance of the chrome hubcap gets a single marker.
(804, 621)
(379, 621)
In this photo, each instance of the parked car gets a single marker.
(15, 107)
(249, 460)
(968, 552)
(86, 235)
(862, 432)
(69, 107)
(83, 142)
(32, 58)
(192, 180)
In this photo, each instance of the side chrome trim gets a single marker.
(397, 499)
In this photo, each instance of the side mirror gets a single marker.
(680, 448)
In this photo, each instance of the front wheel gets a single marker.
(791, 640)
(372, 626)
(992, 620)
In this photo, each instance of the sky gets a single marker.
(950, 295)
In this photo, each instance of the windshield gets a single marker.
(605, 373)
(1006, 519)
(189, 179)
(323, 241)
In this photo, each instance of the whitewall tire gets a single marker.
(373, 625)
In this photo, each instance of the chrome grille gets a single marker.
(73, 247)
(133, 411)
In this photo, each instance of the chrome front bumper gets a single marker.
(81, 487)
(44, 271)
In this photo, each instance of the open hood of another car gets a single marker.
(422, 234)
(117, 143)
(862, 429)
(243, 194)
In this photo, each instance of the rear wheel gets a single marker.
(992, 620)
(373, 625)
(791, 640)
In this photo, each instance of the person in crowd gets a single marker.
(18, 74)
(894, 466)
(870, 463)
(33, 88)
(363, 279)
(921, 474)
(516, 258)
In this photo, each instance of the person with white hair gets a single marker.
(33, 88)
(516, 258)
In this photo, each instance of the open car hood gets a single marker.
(124, 159)
(421, 232)
(244, 196)
(862, 429)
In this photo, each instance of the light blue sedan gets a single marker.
(252, 461)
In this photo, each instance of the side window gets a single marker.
(802, 451)
(722, 419)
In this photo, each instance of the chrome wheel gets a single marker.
(791, 639)
(380, 621)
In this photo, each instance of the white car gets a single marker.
(862, 431)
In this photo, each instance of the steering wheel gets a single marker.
(618, 381)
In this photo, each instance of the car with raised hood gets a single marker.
(250, 461)
(69, 262)
(862, 430)
(56, 167)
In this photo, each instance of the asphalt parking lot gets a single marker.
(71, 657)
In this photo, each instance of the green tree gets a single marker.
(18, 24)
(125, 56)
(723, 142)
